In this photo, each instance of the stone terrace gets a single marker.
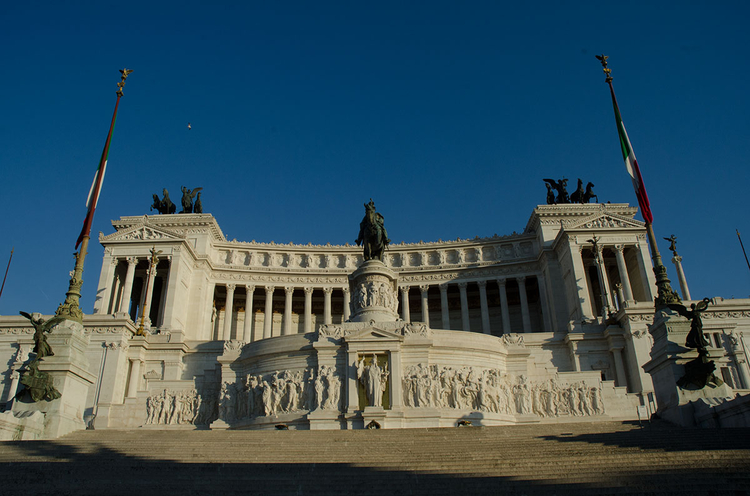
(576, 458)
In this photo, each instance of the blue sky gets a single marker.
(447, 114)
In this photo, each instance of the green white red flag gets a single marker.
(631, 164)
(96, 186)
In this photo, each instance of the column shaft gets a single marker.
(268, 317)
(425, 304)
(622, 268)
(135, 372)
(228, 309)
(327, 317)
(677, 261)
(464, 307)
(149, 294)
(347, 304)
(444, 306)
(485, 308)
(505, 312)
(128, 286)
(405, 304)
(287, 329)
(308, 309)
(524, 304)
(247, 330)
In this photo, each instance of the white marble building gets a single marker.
(526, 327)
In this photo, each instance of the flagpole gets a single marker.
(11, 258)
(738, 237)
(665, 293)
(71, 307)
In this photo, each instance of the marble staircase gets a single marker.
(574, 458)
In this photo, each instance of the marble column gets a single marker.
(622, 268)
(308, 309)
(645, 267)
(127, 288)
(208, 313)
(504, 311)
(424, 288)
(605, 281)
(107, 283)
(327, 318)
(268, 317)
(526, 317)
(228, 309)
(619, 367)
(287, 327)
(444, 306)
(546, 318)
(677, 261)
(464, 307)
(247, 330)
(405, 303)
(580, 282)
(740, 358)
(347, 303)
(135, 372)
(149, 293)
(163, 297)
(485, 308)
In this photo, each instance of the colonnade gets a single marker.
(230, 327)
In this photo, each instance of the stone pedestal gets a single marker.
(374, 292)
(69, 369)
(667, 366)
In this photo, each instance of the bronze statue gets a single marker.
(577, 195)
(672, 244)
(372, 233)
(560, 186)
(187, 199)
(165, 205)
(699, 372)
(39, 384)
(589, 193)
(198, 207)
(550, 195)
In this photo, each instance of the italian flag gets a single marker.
(631, 164)
(96, 185)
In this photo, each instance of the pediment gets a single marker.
(372, 333)
(143, 232)
(606, 221)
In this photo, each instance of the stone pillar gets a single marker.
(620, 376)
(424, 288)
(646, 269)
(327, 318)
(444, 306)
(580, 282)
(228, 308)
(135, 375)
(268, 317)
(208, 313)
(397, 395)
(127, 288)
(677, 261)
(504, 306)
(163, 297)
(247, 329)
(287, 325)
(603, 282)
(15, 378)
(107, 283)
(308, 309)
(464, 307)
(545, 303)
(735, 340)
(622, 268)
(405, 304)
(149, 294)
(347, 303)
(485, 309)
(524, 304)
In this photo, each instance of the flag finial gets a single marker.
(125, 73)
(603, 59)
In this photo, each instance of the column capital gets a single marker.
(462, 285)
(521, 279)
(424, 288)
(482, 283)
(289, 290)
(250, 288)
(328, 290)
(308, 290)
(405, 288)
(115, 261)
(270, 288)
(131, 260)
(443, 287)
(345, 289)
(231, 287)
(619, 248)
(501, 282)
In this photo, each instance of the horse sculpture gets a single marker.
(165, 205)
(589, 194)
(372, 234)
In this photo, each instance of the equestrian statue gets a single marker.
(372, 234)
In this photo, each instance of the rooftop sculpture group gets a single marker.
(580, 195)
(191, 202)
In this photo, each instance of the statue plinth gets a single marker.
(667, 367)
(69, 368)
(374, 290)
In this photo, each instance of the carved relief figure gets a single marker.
(374, 378)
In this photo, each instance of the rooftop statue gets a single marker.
(372, 234)
(187, 199)
(559, 186)
(165, 205)
(198, 207)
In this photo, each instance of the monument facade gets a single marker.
(546, 325)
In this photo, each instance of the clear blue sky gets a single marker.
(447, 114)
